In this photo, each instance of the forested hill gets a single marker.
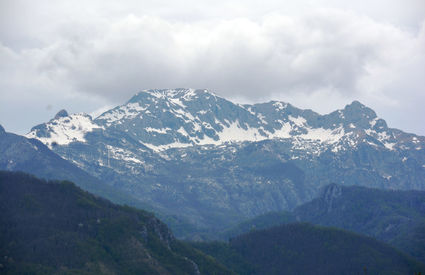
(301, 248)
(394, 216)
(49, 227)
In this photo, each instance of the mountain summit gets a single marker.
(177, 118)
(61, 113)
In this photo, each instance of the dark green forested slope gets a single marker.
(264, 221)
(394, 216)
(301, 248)
(56, 228)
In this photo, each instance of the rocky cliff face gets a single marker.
(192, 153)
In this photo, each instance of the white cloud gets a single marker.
(319, 59)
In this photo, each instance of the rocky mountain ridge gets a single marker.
(163, 119)
(195, 154)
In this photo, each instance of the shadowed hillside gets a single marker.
(55, 227)
(301, 248)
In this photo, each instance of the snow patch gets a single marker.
(182, 131)
(65, 130)
(373, 122)
(389, 145)
(280, 105)
(324, 135)
(121, 154)
(283, 132)
(235, 133)
(128, 111)
(299, 121)
(160, 130)
(159, 148)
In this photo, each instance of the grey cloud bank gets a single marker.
(321, 58)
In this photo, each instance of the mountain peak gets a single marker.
(176, 93)
(2, 130)
(61, 113)
(64, 129)
(358, 113)
(355, 104)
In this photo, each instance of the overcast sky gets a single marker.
(85, 56)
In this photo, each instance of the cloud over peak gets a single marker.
(327, 53)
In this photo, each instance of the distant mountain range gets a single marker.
(215, 163)
(163, 119)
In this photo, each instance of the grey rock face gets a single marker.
(61, 113)
(331, 193)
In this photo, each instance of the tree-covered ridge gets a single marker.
(394, 216)
(301, 248)
(264, 221)
(55, 227)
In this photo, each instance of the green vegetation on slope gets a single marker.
(55, 227)
(260, 222)
(394, 216)
(301, 248)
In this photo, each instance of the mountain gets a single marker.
(163, 119)
(301, 248)
(53, 227)
(215, 163)
(18, 153)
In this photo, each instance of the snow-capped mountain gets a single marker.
(163, 119)
(194, 153)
